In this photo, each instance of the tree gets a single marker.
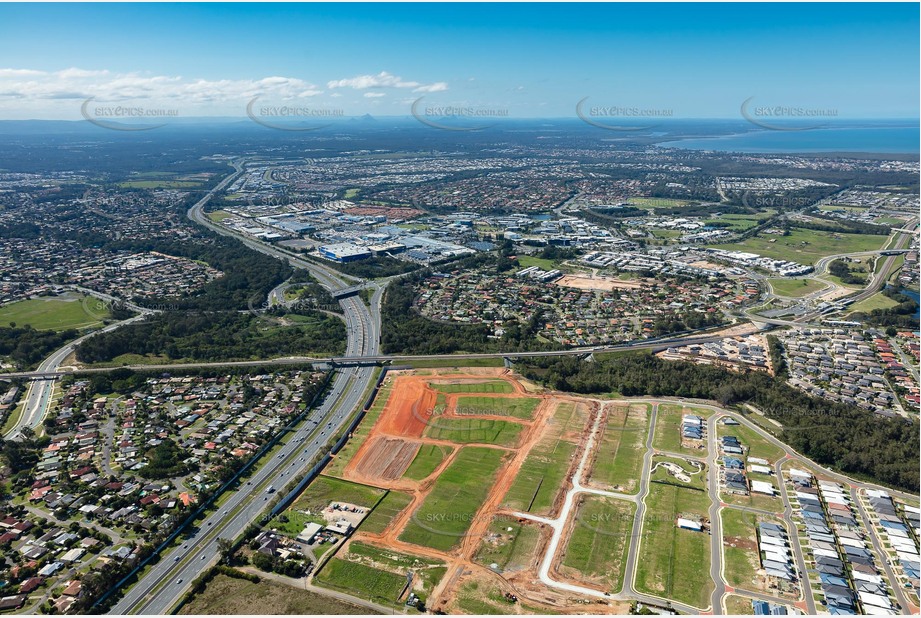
(225, 549)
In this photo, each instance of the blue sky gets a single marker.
(539, 60)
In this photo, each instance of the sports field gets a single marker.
(55, 312)
(795, 288)
(806, 246)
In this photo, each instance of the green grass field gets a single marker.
(362, 581)
(740, 563)
(159, 184)
(738, 223)
(597, 547)
(619, 456)
(326, 489)
(668, 430)
(510, 545)
(540, 477)
(674, 562)
(756, 446)
(526, 261)
(473, 430)
(661, 475)
(231, 596)
(428, 457)
(486, 386)
(877, 301)
(55, 312)
(385, 511)
(794, 288)
(516, 407)
(219, 215)
(806, 246)
(448, 510)
(656, 202)
(426, 571)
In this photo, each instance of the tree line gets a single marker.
(217, 336)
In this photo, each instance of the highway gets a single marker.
(163, 585)
(371, 359)
(40, 390)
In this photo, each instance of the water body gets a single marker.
(902, 139)
(914, 296)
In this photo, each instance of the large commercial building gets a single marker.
(344, 252)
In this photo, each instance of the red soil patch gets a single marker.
(385, 459)
(408, 409)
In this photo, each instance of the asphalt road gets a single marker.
(165, 583)
(659, 344)
(40, 391)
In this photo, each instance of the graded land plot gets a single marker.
(541, 477)
(480, 386)
(473, 430)
(380, 574)
(806, 246)
(668, 436)
(739, 606)
(427, 459)
(618, 457)
(337, 466)
(385, 512)
(676, 471)
(515, 407)
(54, 312)
(674, 562)
(596, 551)
(442, 520)
(509, 545)
(794, 288)
(741, 558)
(409, 408)
(385, 459)
(226, 595)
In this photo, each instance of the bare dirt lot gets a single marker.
(605, 284)
(386, 458)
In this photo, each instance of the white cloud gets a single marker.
(102, 85)
(374, 95)
(384, 80)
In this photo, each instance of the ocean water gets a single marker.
(882, 139)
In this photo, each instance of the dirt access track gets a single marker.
(398, 435)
